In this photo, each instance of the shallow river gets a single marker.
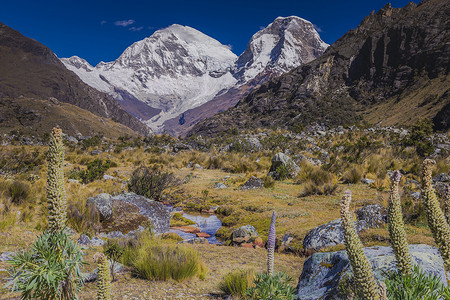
(207, 223)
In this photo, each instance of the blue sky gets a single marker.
(101, 30)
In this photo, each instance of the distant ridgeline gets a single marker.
(391, 70)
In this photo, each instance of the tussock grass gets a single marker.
(237, 282)
(153, 259)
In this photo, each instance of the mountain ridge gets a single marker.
(28, 68)
(203, 76)
(388, 64)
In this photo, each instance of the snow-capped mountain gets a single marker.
(174, 69)
(284, 44)
(179, 68)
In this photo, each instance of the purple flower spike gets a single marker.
(271, 239)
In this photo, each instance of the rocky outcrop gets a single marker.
(328, 235)
(127, 211)
(243, 235)
(374, 215)
(322, 272)
(281, 163)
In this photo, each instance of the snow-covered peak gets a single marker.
(284, 44)
(176, 51)
(78, 63)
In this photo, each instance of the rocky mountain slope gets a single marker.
(390, 70)
(28, 68)
(284, 44)
(179, 68)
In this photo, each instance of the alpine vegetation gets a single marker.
(271, 246)
(104, 277)
(362, 270)
(56, 194)
(436, 220)
(397, 227)
(447, 203)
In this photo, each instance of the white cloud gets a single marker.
(102, 22)
(124, 23)
(136, 28)
(318, 29)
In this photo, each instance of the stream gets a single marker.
(207, 223)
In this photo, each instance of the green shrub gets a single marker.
(269, 182)
(51, 269)
(95, 170)
(114, 252)
(417, 285)
(151, 259)
(18, 191)
(152, 182)
(236, 282)
(272, 287)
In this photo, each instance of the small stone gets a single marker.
(5, 256)
(108, 177)
(253, 183)
(196, 240)
(220, 185)
(202, 234)
(367, 181)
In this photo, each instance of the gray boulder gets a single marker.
(253, 183)
(220, 185)
(155, 211)
(282, 160)
(375, 215)
(322, 272)
(84, 240)
(243, 234)
(442, 177)
(104, 204)
(330, 234)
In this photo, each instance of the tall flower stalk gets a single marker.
(271, 246)
(104, 277)
(362, 270)
(447, 203)
(436, 220)
(396, 227)
(56, 193)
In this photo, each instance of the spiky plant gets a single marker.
(397, 227)
(104, 277)
(56, 193)
(447, 203)
(362, 270)
(271, 246)
(436, 220)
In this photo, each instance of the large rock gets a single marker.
(281, 160)
(104, 204)
(322, 272)
(155, 211)
(243, 234)
(375, 215)
(132, 210)
(330, 234)
(253, 183)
